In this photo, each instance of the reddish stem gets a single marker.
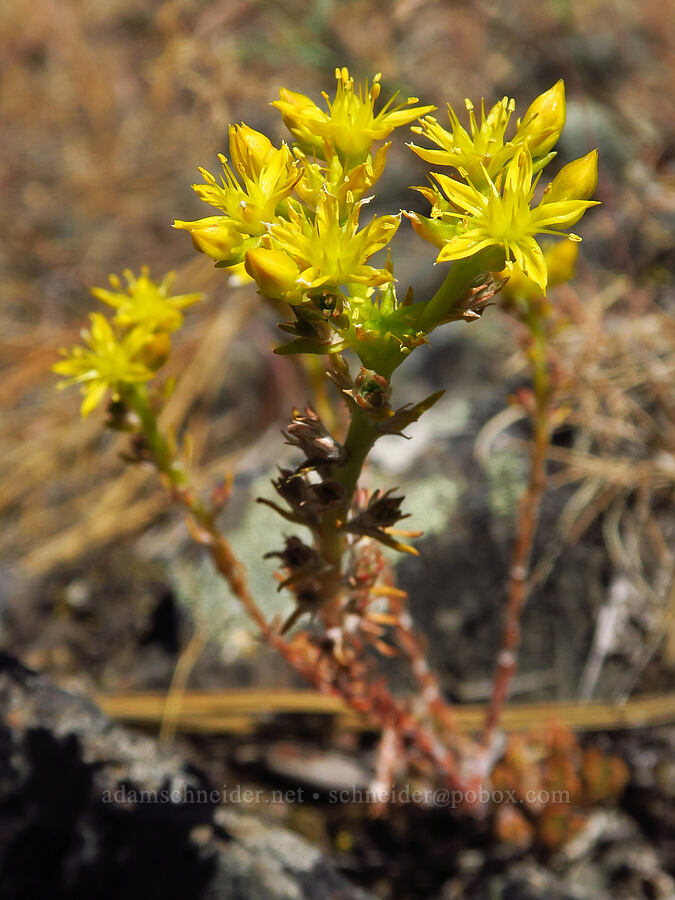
(526, 529)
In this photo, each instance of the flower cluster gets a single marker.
(131, 348)
(291, 216)
(489, 202)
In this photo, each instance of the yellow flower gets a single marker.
(506, 218)
(106, 362)
(300, 115)
(250, 192)
(331, 252)
(339, 177)
(145, 303)
(483, 148)
(266, 182)
(351, 125)
(250, 150)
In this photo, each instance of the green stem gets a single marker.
(362, 434)
(360, 438)
(457, 282)
(136, 397)
(162, 453)
(421, 318)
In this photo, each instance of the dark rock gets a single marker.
(89, 809)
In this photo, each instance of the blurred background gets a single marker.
(106, 110)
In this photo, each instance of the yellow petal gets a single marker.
(93, 395)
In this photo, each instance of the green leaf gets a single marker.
(305, 345)
(407, 414)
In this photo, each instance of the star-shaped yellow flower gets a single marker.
(251, 204)
(144, 303)
(504, 216)
(351, 125)
(331, 252)
(106, 362)
(249, 194)
(484, 148)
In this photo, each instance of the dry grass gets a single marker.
(613, 358)
(239, 712)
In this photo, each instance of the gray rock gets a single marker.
(269, 863)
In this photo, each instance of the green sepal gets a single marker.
(539, 164)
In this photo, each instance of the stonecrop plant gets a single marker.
(295, 221)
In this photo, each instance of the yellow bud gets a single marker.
(561, 261)
(575, 181)
(273, 270)
(156, 352)
(436, 231)
(542, 123)
(293, 101)
(238, 274)
(249, 149)
(216, 237)
(300, 114)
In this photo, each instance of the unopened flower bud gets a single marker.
(156, 351)
(216, 237)
(249, 149)
(274, 271)
(299, 113)
(575, 181)
(436, 231)
(561, 261)
(542, 123)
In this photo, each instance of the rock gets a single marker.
(90, 809)
(268, 863)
